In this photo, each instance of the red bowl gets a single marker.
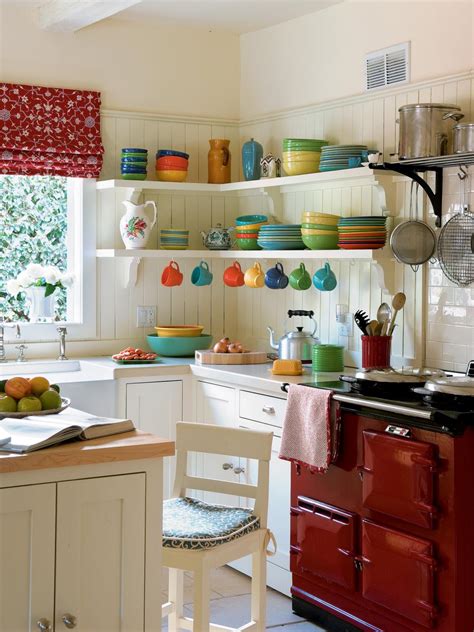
(172, 161)
(246, 235)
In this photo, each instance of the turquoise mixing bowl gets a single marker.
(178, 347)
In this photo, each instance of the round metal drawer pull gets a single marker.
(227, 466)
(239, 470)
(69, 620)
(43, 624)
(268, 409)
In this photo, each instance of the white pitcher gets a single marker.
(135, 225)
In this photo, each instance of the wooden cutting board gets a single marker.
(248, 357)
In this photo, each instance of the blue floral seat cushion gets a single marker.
(189, 523)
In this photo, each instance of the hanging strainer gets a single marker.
(413, 242)
(456, 247)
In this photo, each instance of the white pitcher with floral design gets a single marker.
(135, 225)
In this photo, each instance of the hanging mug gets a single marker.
(300, 279)
(324, 279)
(172, 275)
(201, 275)
(254, 276)
(275, 278)
(233, 275)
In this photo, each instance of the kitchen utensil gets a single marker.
(247, 357)
(254, 276)
(135, 225)
(201, 275)
(456, 245)
(172, 275)
(296, 345)
(411, 377)
(178, 347)
(252, 153)
(372, 328)
(219, 161)
(275, 278)
(384, 313)
(426, 129)
(324, 279)
(455, 385)
(385, 327)
(179, 331)
(463, 138)
(217, 238)
(233, 275)
(413, 242)
(65, 403)
(300, 278)
(398, 303)
(362, 320)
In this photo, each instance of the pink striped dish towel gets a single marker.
(307, 429)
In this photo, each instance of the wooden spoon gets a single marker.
(371, 327)
(398, 303)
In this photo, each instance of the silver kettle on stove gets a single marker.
(296, 345)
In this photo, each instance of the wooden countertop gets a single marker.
(126, 446)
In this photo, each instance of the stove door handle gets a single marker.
(346, 552)
(430, 464)
(348, 378)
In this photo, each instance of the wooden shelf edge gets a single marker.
(367, 255)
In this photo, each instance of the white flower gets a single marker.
(13, 287)
(51, 275)
(25, 279)
(67, 279)
(35, 270)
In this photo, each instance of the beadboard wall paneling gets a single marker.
(243, 313)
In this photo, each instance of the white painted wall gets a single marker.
(320, 57)
(139, 67)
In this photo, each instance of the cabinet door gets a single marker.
(156, 407)
(27, 538)
(216, 405)
(100, 555)
(398, 572)
(278, 493)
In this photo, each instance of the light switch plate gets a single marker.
(146, 315)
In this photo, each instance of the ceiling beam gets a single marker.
(73, 15)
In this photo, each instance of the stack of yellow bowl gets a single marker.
(319, 230)
(301, 155)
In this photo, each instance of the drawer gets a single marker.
(263, 408)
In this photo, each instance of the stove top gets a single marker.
(447, 415)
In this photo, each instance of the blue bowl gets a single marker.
(178, 347)
(132, 170)
(134, 150)
(171, 152)
(139, 161)
(250, 219)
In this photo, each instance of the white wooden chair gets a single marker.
(195, 437)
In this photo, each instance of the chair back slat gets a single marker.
(221, 487)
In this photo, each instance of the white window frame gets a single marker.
(81, 320)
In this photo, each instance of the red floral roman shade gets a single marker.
(49, 131)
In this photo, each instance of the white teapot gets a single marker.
(135, 225)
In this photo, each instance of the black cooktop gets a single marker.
(448, 415)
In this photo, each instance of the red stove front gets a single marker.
(383, 540)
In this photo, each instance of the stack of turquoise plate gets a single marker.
(334, 157)
(280, 237)
(328, 358)
(174, 238)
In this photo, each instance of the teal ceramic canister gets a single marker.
(252, 153)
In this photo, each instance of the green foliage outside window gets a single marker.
(33, 228)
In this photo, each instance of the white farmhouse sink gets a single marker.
(39, 367)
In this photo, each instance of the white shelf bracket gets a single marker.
(384, 267)
(131, 274)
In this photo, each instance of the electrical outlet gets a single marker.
(346, 328)
(146, 315)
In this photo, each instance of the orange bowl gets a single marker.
(173, 162)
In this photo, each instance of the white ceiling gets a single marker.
(238, 16)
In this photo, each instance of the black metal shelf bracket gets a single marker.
(412, 171)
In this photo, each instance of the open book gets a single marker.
(34, 433)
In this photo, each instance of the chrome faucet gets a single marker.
(3, 324)
(62, 343)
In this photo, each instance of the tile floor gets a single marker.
(230, 603)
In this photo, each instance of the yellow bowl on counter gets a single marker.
(288, 156)
(179, 331)
(169, 175)
(316, 218)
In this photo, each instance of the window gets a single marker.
(48, 220)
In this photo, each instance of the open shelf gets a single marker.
(367, 255)
(263, 183)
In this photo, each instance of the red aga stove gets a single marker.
(384, 540)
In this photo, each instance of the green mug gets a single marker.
(300, 278)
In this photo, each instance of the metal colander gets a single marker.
(413, 242)
(456, 248)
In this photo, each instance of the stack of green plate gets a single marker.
(328, 358)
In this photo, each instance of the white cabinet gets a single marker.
(27, 545)
(74, 548)
(156, 407)
(215, 404)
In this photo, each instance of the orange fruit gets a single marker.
(39, 385)
(18, 387)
